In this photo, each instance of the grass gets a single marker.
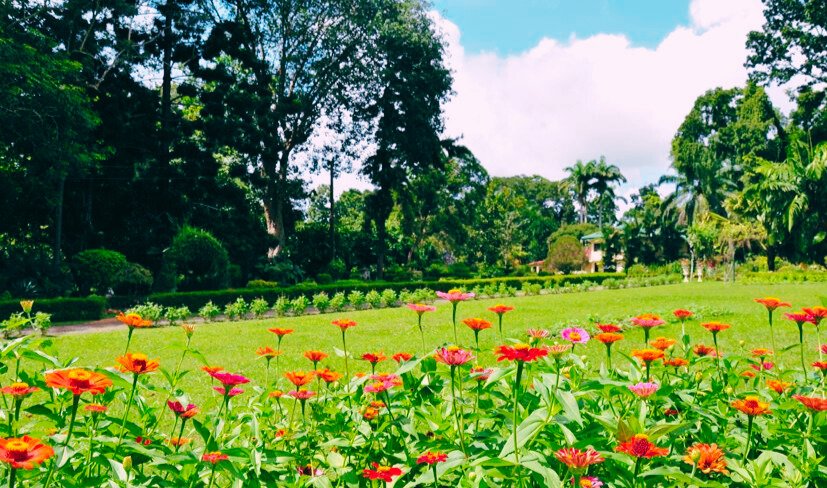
(233, 344)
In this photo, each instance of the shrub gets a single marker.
(237, 309)
(98, 270)
(259, 307)
(356, 299)
(300, 305)
(133, 280)
(150, 311)
(282, 306)
(261, 284)
(198, 260)
(176, 314)
(209, 311)
(321, 301)
(338, 302)
(374, 299)
(406, 296)
(324, 279)
(566, 254)
(389, 297)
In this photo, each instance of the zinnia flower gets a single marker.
(229, 379)
(751, 406)
(662, 343)
(421, 308)
(267, 352)
(682, 314)
(374, 358)
(133, 320)
(27, 305)
(648, 320)
(453, 356)
(229, 392)
(315, 356)
(813, 403)
(558, 350)
(640, 447)
(136, 363)
(78, 381)
(327, 375)
(706, 458)
(761, 352)
(778, 386)
(477, 324)
(817, 314)
(280, 332)
(748, 374)
(214, 457)
(799, 317)
(179, 441)
(521, 352)
(500, 309)
(644, 390)
(771, 303)
(702, 350)
(95, 408)
(715, 327)
(24, 452)
(299, 378)
(402, 357)
(211, 369)
(575, 335)
(648, 355)
(430, 458)
(821, 365)
(302, 395)
(384, 473)
(590, 482)
(608, 328)
(608, 337)
(183, 411)
(454, 295)
(481, 374)
(19, 389)
(578, 460)
(537, 333)
(766, 366)
(675, 362)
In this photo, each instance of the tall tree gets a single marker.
(606, 177)
(410, 88)
(581, 178)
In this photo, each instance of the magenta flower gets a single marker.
(233, 391)
(453, 356)
(644, 390)
(421, 308)
(766, 366)
(229, 379)
(454, 296)
(575, 335)
(590, 482)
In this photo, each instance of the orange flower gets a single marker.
(267, 352)
(640, 447)
(609, 337)
(299, 378)
(608, 327)
(133, 320)
(78, 381)
(280, 332)
(19, 389)
(327, 375)
(748, 374)
(772, 303)
(477, 324)
(707, 458)
(179, 441)
(95, 408)
(675, 362)
(778, 386)
(702, 350)
(715, 327)
(813, 403)
(648, 355)
(500, 309)
(648, 320)
(276, 394)
(401, 357)
(761, 352)
(211, 369)
(24, 452)
(137, 363)
(374, 358)
(214, 457)
(315, 356)
(751, 406)
(344, 324)
(682, 314)
(663, 343)
(822, 365)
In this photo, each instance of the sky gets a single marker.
(539, 84)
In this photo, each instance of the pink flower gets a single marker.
(420, 308)
(454, 296)
(590, 482)
(229, 379)
(453, 356)
(233, 391)
(824, 348)
(538, 333)
(382, 382)
(766, 366)
(575, 335)
(648, 320)
(481, 374)
(302, 394)
(644, 390)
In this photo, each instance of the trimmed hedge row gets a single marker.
(61, 309)
(197, 299)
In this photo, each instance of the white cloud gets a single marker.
(540, 110)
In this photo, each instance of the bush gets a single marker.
(133, 280)
(261, 284)
(300, 305)
(237, 309)
(198, 260)
(176, 314)
(282, 306)
(374, 299)
(566, 254)
(209, 311)
(356, 299)
(98, 270)
(259, 307)
(149, 311)
(338, 302)
(321, 301)
(324, 279)
(389, 297)
(61, 309)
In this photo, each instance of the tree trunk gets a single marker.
(274, 221)
(584, 211)
(166, 103)
(380, 248)
(771, 257)
(332, 229)
(57, 253)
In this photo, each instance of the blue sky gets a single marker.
(507, 27)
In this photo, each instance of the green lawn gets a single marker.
(233, 344)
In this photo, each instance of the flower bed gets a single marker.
(677, 411)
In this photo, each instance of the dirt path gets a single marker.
(102, 325)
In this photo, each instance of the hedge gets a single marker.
(197, 299)
(61, 309)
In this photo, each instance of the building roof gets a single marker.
(592, 237)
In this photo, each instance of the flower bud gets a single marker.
(127, 463)
(699, 376)
(189, 329)
(742, 343)
(26, 305)
(728, 390)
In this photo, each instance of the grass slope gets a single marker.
(233, 344)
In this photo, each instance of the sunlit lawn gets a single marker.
(233, 344)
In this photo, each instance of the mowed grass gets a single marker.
(232, 345)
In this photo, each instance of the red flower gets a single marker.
(578, 460)
(480, 373)
(95, 408)
(477, 324)
(682, 314)
(639, 446)
(327, 375)
(184, 411)
(214, 457)
(702, 350)
(384, 473)
(675, 362)
(431, 458)
(500, 309)
(136, 363)
(401, 357)
(302, 394)
(19, 389)
(229, 379)
(78, 381)
(24, 452)
(813, 403)
(778, 386)
(520, 352)
(230, 392)
(799, 317)
(817, 314)
(374, 358)
(772, 303)
(608, 328)
(822, 365)
(280, 332)
(344, 324)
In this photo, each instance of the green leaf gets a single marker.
(570, 406)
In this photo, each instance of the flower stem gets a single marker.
(749, 437)
(457, 409)
(12, 477)
(454, 320)
(436, 483)
(801, 344)
(772, 332)
(129, 339)
(500, 318)
(421, 332)
(344, 346)
(126, 411)
(517, 382)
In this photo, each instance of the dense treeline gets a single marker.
(182, 134)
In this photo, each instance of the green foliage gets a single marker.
(321, 301)
(389, 297)
(133, 280)
(338, 302)
(300, 304)
(282, 306)
(237, 310)
(374, 299)
(175, 315)
(62, 309)
(198, 260)
(259, 307)
(98, 270)
(209, 311)
(356, 299)
(566, 254)
(151, 311)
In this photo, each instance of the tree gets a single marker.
(581, 176)
(791, 43)
(649, 232)
(606, 176)
(411, 86)
(566, 254)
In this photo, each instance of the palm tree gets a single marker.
(581, 178)
(606, 176)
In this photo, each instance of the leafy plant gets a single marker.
(321, 302)
(259, 307)
(209, 312)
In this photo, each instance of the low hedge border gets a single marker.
(62, 309)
